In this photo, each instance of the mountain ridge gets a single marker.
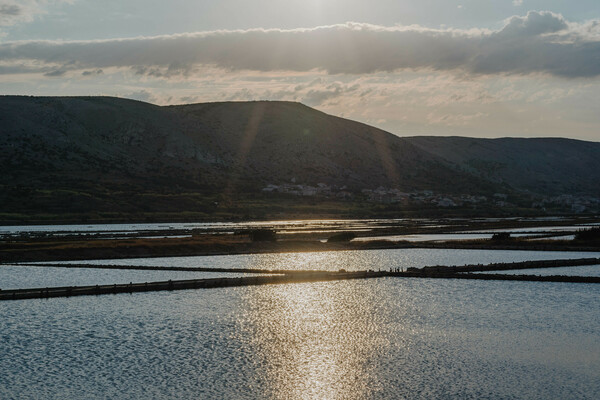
(540, 165)
(107, 153)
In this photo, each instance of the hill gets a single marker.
(550, 166)
(111, 158)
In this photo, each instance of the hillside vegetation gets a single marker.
(103, 158)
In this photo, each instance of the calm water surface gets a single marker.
(380, 338)
(14, 277)
(582, 270)
(369, 339)
(560, 228)
(207, 226)
(426, 237)
(354, 260)
(21, 277)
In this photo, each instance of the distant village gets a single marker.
(383, 195)
(577, 204)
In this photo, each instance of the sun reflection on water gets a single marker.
(316, 341)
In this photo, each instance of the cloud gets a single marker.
(454, 119)
(13, 12)
(533, 25)
(55, 73)
(539, 42)
(10, 13)
(92, 73)
(316, 92)
(10, 10)
(318, 96)
(142, 95)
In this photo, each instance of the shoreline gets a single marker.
(441, 272)
(188, 247)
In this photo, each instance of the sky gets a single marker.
(481, 68)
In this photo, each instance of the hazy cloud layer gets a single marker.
(9, 10)
(540, 42)
(15, 11)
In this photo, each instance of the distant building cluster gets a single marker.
(576, 204)
(320, 190)
(384, 195)
(389, 196)
(381, 195)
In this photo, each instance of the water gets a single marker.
(207, 226)
(22, 277)
(563, 237)
(371, 339)
(540, 229)
(582, 270)
(378, 338)
(353, 260)
(286, 226)
(16, 277)
(427, 237)
(439, 237)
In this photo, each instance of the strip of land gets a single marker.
(508, 266)
(429, 269)
(167, 268)
(439, 272)
(62, 250)
(69, 291)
